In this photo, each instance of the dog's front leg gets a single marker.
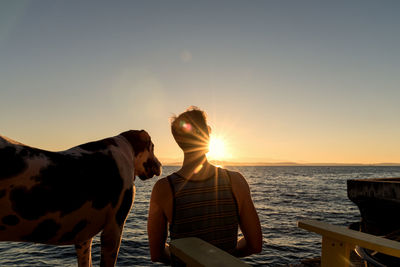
(84, 253)
(110, 242)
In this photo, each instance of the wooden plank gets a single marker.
(198, 253)
(335, 253)
(352, 237)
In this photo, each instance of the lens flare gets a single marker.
(187, 127)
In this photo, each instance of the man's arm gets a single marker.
(157, 224)
(248, 219)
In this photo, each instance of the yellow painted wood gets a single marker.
(346, 235)
(335, 253)
(198, 253)
(338, 241)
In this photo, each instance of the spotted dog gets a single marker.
(68, 197)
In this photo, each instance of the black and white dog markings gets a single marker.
(68, 197)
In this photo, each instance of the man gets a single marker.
(201, 200)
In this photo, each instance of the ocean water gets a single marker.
(282, 196)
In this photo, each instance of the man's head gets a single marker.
(191, 131)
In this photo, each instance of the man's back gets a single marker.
(205, 209)
(161, 214)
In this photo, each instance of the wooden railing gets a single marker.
(338, 241)
(198, 253)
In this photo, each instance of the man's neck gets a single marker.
(196, 166)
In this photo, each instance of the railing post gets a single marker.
(339, 241)
(335, 253)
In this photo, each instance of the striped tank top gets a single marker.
(206, 209)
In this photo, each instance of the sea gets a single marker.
(282, 195)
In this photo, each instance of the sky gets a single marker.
(298, 81)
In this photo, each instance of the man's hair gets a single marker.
(190, 130)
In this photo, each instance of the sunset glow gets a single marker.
(274, 91)
(217, 148)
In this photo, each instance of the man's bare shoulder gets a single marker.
(237, 178)
(160, 188)
(240, 187)
(162, 182)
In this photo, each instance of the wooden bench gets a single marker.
(338, 241)
(198, 253)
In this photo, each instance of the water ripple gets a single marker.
(282, 196)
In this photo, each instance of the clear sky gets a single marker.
(304, 81)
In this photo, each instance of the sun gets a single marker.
(217, 148)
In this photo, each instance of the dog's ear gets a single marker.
(139, 140)
(143, 135)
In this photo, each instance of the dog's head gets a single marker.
(146, 163)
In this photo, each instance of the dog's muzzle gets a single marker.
(151, 167)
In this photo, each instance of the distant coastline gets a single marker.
(232, 163)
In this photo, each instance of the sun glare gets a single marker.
(217, 148)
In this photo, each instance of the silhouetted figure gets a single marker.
(201, 200)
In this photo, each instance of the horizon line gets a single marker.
(260, 163)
